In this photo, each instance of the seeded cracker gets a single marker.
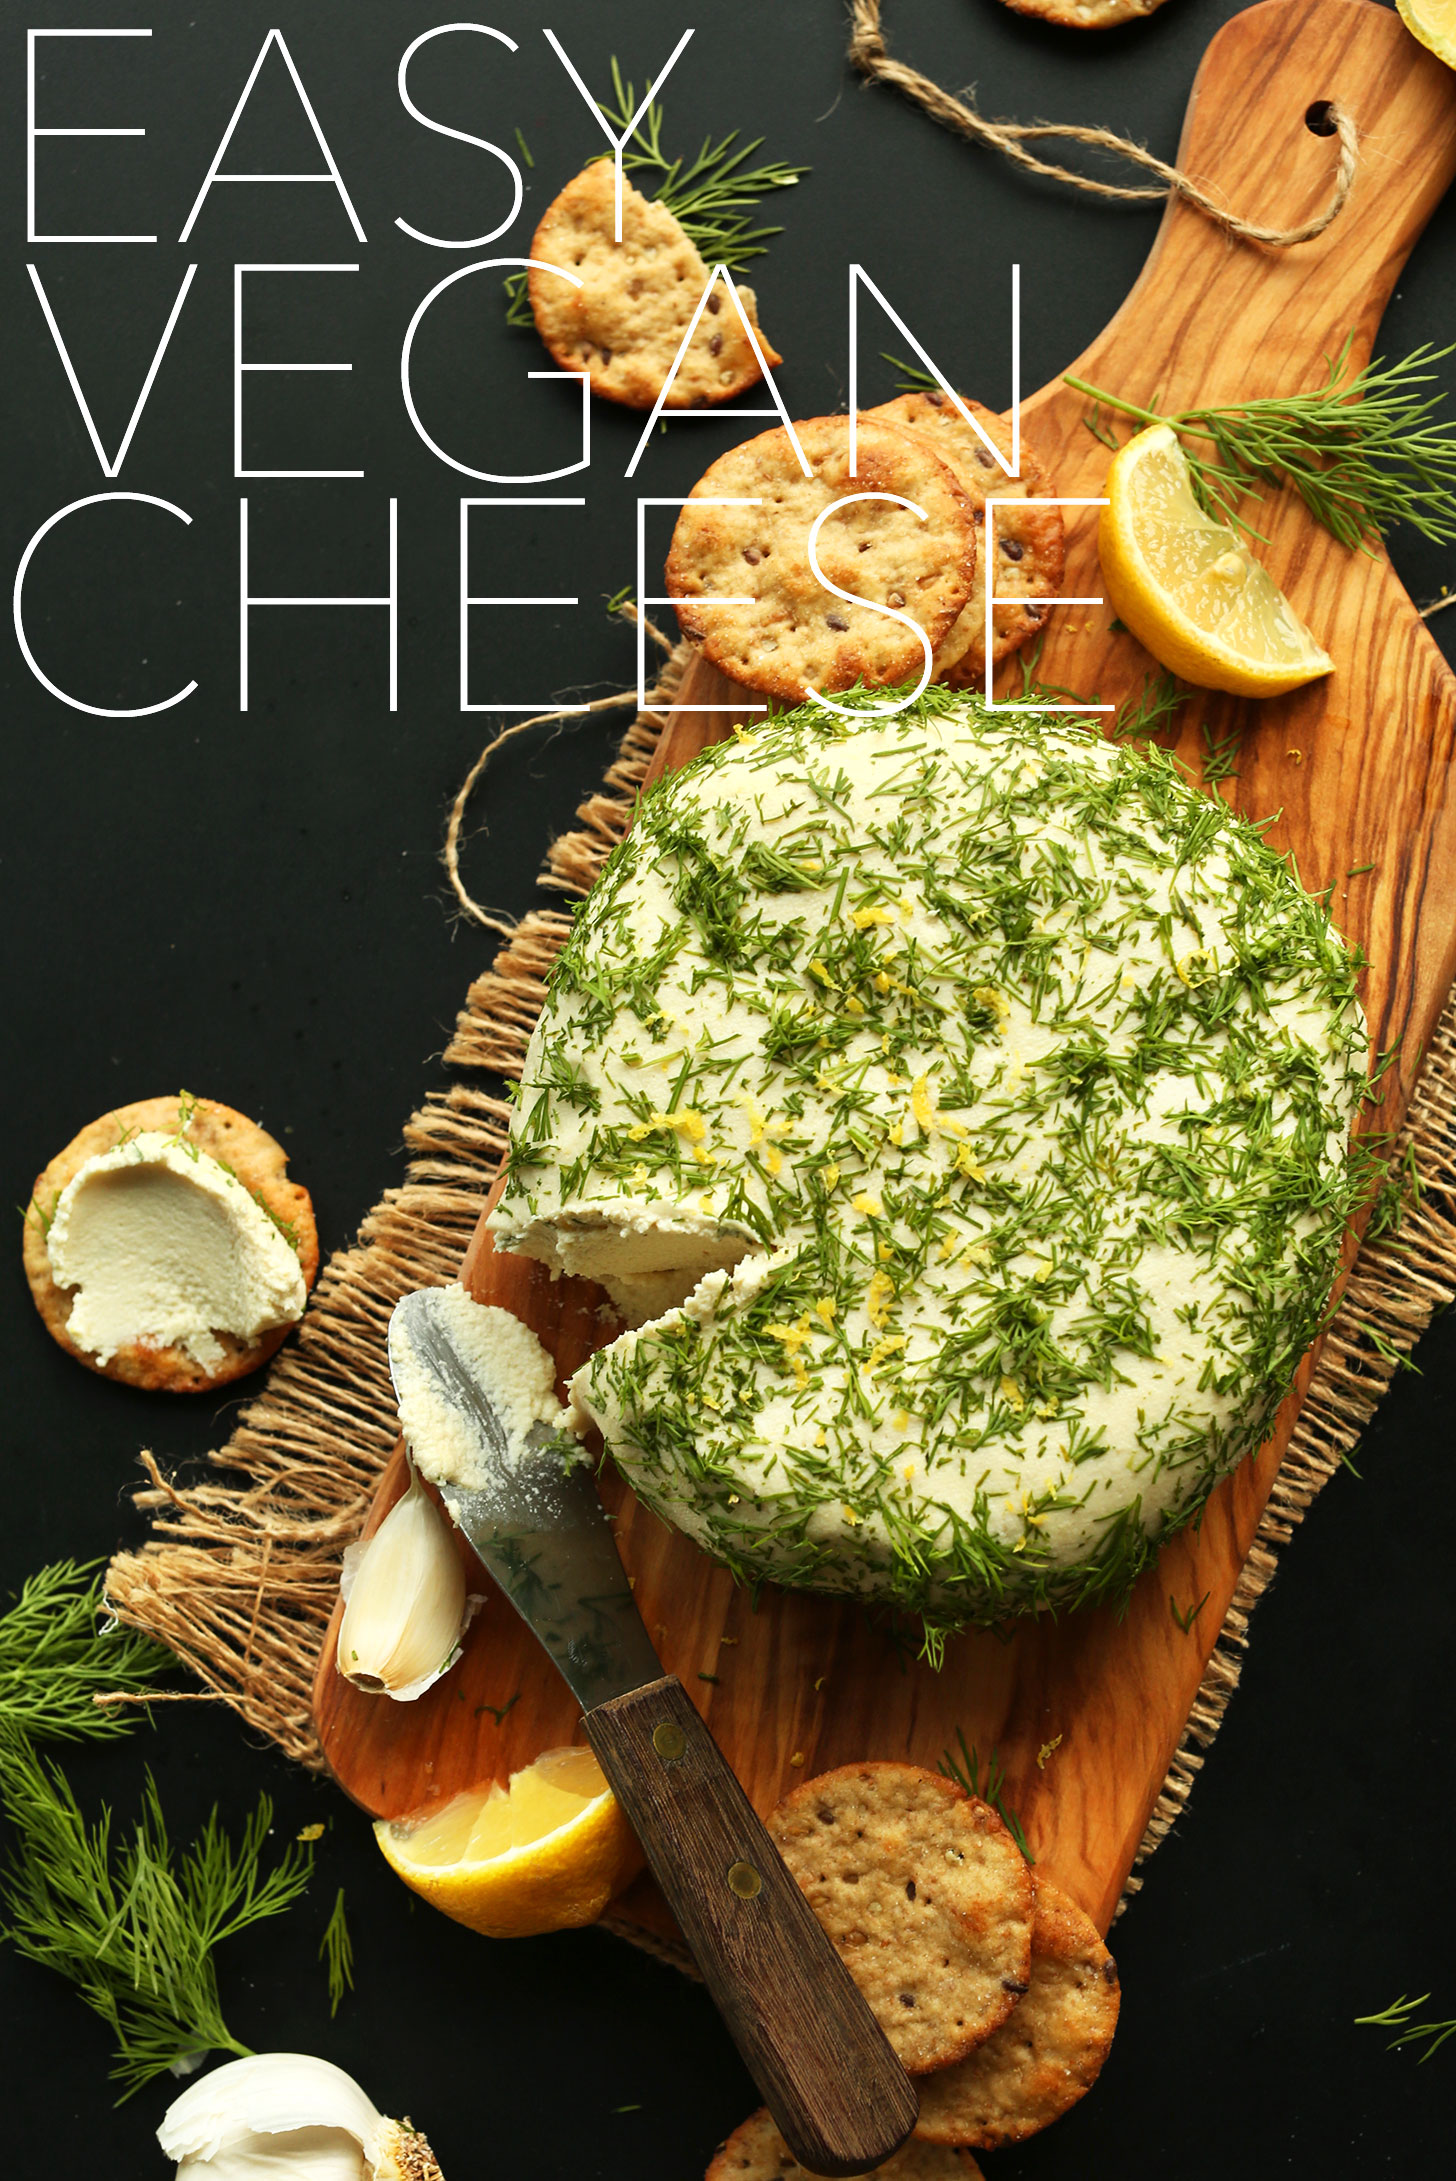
(260, 1164)
(793, 633)
(757, 2152)
(1049, 2053)
(1029, 540)
(624, 324)
(926, 1896)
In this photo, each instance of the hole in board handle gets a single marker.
(1319, 118)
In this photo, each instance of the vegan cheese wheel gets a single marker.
(957, 1106)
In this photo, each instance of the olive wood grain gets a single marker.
(841, 2098)
(1086, 1713)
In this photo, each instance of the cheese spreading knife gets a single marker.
(839, 2095)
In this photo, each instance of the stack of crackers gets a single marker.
(907, 555)
(993, 1987)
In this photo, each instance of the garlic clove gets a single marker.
(288, 2113)
(322, 2154)
(405, 1605)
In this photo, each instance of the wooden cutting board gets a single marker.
(1358, 765)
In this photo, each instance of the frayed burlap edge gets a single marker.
(241, 1572)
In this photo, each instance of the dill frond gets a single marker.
(712, 196)
(1219, 756)
(336, 1952)
(1364, 451)
(1397, 2016)
(965, 1770)
(909, 377)
(55, 1659)
(1139, 717)
(133, 1922)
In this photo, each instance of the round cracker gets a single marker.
(1050, 2051)
(624, 325)
(259, 1162)
(1030, 541)
(757, 2152)
(1086, 14)
(793, 635)
(926, 1896)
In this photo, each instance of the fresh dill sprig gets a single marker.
(45, 1215)
(1219, 756)
(55, 1660)
(909, 377)
(1139, 717)
(965, 1770)
(1363, 451)
(336, 1952)
(1186, 1617)
(1092, 422)
(1397, 2016)
(134, 1923)
(712, 197)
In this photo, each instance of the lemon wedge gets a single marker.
(1434, 23)
(1188, 587)
(545, 1853)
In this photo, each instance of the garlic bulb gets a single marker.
(404, 1601)
(288, 2114)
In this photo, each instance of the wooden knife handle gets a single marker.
(825, 2067)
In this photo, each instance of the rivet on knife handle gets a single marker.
(840, 2097)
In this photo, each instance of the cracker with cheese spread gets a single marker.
(166, 1246)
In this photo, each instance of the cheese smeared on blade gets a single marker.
(510, 1364)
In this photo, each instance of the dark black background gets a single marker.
(253, 906)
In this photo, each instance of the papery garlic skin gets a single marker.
(288, 2113)
(405, 1605)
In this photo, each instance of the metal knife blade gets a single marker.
(539, 1526)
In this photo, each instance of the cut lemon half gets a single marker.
(1188, 587)
(545, 1853)
(1434, 23)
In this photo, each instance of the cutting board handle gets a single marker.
(1252, 137)
(840, 2097)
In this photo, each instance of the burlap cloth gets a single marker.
(241, 1571)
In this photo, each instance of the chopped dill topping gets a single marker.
(1186, 1618)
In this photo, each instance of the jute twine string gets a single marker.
(506, 925)
(868, 52)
